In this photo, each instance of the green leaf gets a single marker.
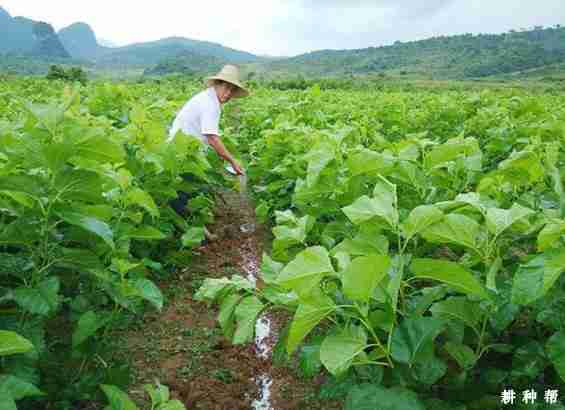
(87, 326)
(226, 315)
(12, 343)
(173, 405)
(193, 237)
(18, 388)
(551, 233)
(307, 316)
(373, 397)
(41, 300)
(159, 394)
(367, 161)
(101, 149)
(137, 196)
(498, 220)
(535, 278)
(363, 275)
(381, 205)
(246, 315)
(149, 291)
(270, 269)
(419, 219)
(412, 338)
(89, 224)
(555, 349)
(454, 228)
(492, 272)
(460, 308)
(305, 272)
(145, 233)
(450, 273)
(6, 401)
(338, 351)
(365, 243)
(462, 354)
(318, 159)
(117, 398)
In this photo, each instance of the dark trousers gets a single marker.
(181, 201)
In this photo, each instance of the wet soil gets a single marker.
(183, 346)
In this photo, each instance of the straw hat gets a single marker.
(229, 74)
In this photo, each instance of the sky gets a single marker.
(291, 27)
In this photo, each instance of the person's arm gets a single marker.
(222, 151)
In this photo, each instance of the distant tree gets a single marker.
(57, 72)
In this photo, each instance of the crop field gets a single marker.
(411, 252)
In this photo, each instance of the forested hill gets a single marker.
(25, 36)
(461, 56)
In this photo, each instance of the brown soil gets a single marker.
(183, 346)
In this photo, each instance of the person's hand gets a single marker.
(237, 168)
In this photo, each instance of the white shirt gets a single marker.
(199, 116)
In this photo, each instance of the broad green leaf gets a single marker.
(192, 237)
(362, 210)
(338, 351)
(213, 288)
(159, 394)
(454, 228)
(366, 161)
(117, 398)
(13, 343)
(318, 159)
(87, 326)
(173, 405)
(270, 269)
(419, 219)
(363, 275)
(555, 349)
(307, 316)
(551, 233)
(373, 397)
(21, 183)
(460, 308)
(450, 151)
(141, 198)
(413, 336)
(363, 244)
(20, 197)
(306, 271)
(450, 273)
(462, 354)
(42, 300)
(246, 315)
(498, 220)
(101, 149)
(226, 315)
(90, 224)
(149, 291)
(146, 233)
(534, 279)
(492, 272)
(381, 205)
(6, 401)
(18, 388)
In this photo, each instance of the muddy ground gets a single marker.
(184, 348)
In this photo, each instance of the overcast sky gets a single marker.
(290, 27)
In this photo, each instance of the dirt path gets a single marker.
(183, 347)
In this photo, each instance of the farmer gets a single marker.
(200, 117)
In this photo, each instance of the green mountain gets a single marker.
(23, 36)
(155, 52)
(186, 63)
(445, 57)
(80, 41)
